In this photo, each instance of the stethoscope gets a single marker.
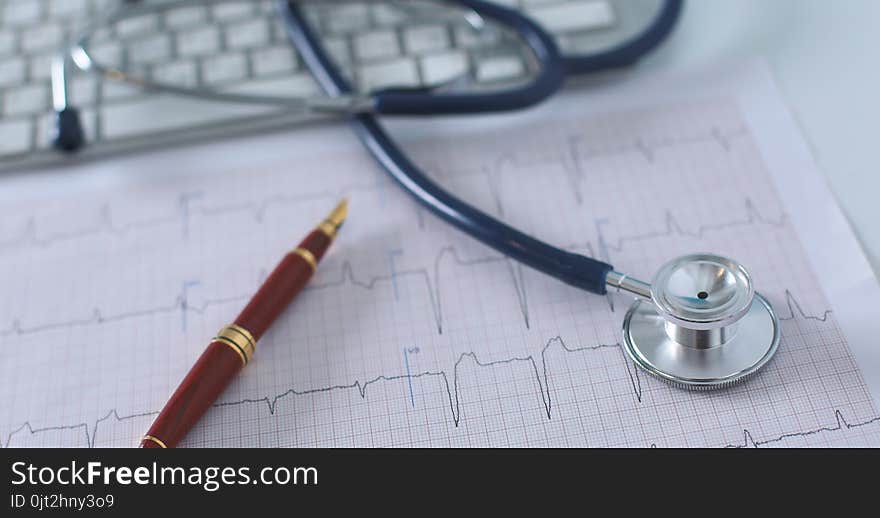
(699, 324)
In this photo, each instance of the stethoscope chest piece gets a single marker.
(704, 328)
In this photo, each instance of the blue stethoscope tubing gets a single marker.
(574, 269)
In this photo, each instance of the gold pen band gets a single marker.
(308, 256)
(328, 228)
(237, 330)
(155, 440)
(239, 340)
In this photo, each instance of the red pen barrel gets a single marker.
(207, 379)
(235, 344)
(283, 284)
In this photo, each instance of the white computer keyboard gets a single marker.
(240, 46)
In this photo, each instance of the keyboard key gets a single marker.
(338, 49)
(273, 60)
(7, 42)
(185, 16)
(467, 37)
(137, 25)
(224, 68)
(116, 90)
(42, 37)
(180, 73)
(349, 18)
(278, 31)
(21, 12)
(15, 136)
(426, 38)
(11, 71)
(232, 10)
(102, 35)
(199, 42)
(26, 100)
(400, 72)
(440, 68)
(151, 49)
(376, 45)
(41, 66)
(266, 7)
(499, 68)
(84, 90)
(68, 8)
(250, 34)
(574, 16)
(108, 54)
(104, 6)
(387, 15)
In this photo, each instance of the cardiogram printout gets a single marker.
(115, 275)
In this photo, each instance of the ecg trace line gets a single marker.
(429, 275)
(90, 437)
(29, 235)
(841, 424)
(577, 155)
(542, 377)
(673, 227)
(453, 392)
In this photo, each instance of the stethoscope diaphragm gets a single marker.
(703, 326)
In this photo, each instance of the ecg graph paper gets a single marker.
(413, 334)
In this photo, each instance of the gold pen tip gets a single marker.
(331, 224)
(337, 217)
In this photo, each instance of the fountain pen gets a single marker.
(235, 344)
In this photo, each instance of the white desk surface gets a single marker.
(824, 57)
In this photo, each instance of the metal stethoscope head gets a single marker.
(700, 324)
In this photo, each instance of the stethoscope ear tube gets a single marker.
(549, 79)
(574, 269)
(628, 52)
(68, 134)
